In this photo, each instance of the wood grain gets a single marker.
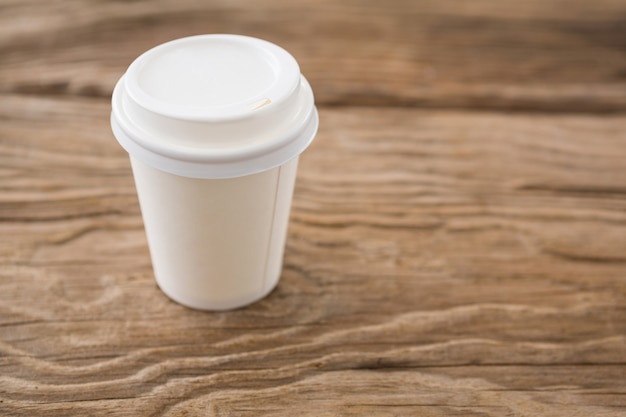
(536, 55)
(457, 243)
(438, 263)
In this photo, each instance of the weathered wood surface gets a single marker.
(440, 261)
(534, 55)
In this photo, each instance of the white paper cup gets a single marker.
(214, 125)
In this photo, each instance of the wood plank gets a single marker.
(534, 55)
(438, 263)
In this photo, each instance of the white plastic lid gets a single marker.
(214, 106)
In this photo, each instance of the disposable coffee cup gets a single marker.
(214, 126)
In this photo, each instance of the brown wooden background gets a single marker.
(457, 244)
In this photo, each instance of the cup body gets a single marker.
(214, 126)
(216, 244)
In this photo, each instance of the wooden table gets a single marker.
(457, 243)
